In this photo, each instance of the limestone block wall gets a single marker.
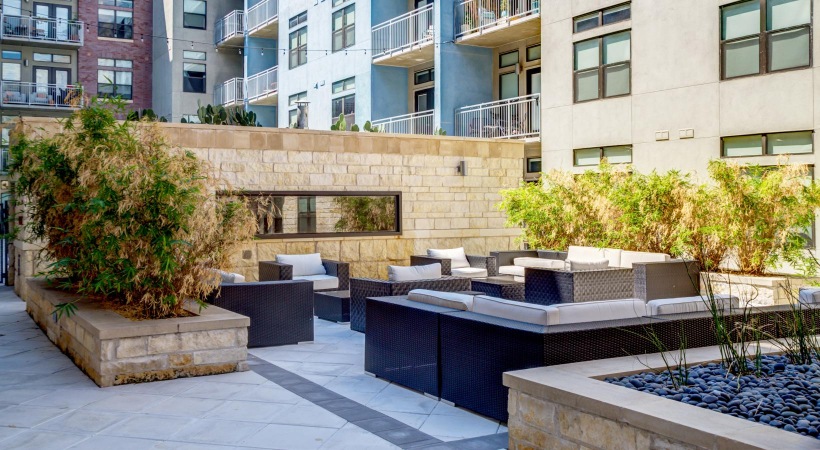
(440, 207)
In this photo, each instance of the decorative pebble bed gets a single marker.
(786, 396)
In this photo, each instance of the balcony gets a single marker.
(514, 118)
(16, 94)
(230, 93)
(230, 30)
(491, 23)
(42, 31)
(405, 41)
(263, 20)
(263, 87)
(415, 123)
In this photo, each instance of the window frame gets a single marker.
(765, 144)
(114, 26)
(600, 14)
(431, 71)
(114, 83)
(343, 30)
(763, 40)
(204, 16)
(19, 71)
(601, 155)
(343, 99)
(601, 68)
(204, 79)
(298, 49)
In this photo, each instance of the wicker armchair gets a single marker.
(362, 288)
(669, 279)
(477, 261)
(275, 271)
(548, 286)
(281, 312)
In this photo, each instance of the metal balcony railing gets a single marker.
(415, 123)
(233, 24)
(16, 93)
(414, 28)
(42, 29)
(262, 14)
(516, 118)
(230, 92)
(263, 83)
(472, 16)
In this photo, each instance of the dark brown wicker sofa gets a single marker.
(281, 312)
(476, 262)
(275, 271)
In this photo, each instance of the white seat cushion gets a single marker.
(629, 257)
(310, 264)
(469, 272)
(230, 277)
(576, 253)
(688, 304)
(453, 300)
(518, 279)
(321, 282)
(412, 273)
(513, 310)
(541, 263)
(574, 266)
(511, 270)
(457, 257)
(600, 310)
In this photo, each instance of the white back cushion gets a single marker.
(576, 253)
(320, 282)
(411, 273)
(541, 263)
(310, 264)
(689, 304)
(629, 257)
(513, 310)
(453, 300)
(587, 265)
(457, 257)
(230, 277)
(601, 310)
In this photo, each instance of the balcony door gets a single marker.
(422, 3)
(424, 100)
(52, 83)
(55, 29)
(534, 81)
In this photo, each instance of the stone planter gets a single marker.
(114, 350)
(751, 290)
(567, 406)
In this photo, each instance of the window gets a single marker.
(533, 165)
(602, 67)
(13, 7)
(118, 3)
(344, 28)
(508, 59)
(194, 14)
(115, 24)
(11, 71)
(534, 53)
(306, 215)
(424, 76)
(48, 57)
(11, 54)
(338, 2)
(118, 63)
(193, 77)
(508, 82)
(293, 114)
(344, 105)
(344, 85)
(618, 154)
(111, 83)
(191, 118)
(298, 19)
(298, 47)
(189, 54)
(747, 48)
(603, 17)
(768, 144)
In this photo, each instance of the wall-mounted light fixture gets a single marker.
(461, 168)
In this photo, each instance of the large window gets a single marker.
(344, 28)
(602, 67)
(11, 71)
(115, 24)
(602, 17)
(306, 215)
(298, 47)
(116, 80)
(768, 144)
(194, 14)
(193, 77)
(618, 154)
(760, 36)
(508, 75)
(293, 114)
(344, 105)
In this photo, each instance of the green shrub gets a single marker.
(357, 214)
(123, 216)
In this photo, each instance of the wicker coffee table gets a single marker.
(332, 305)
(503, 287)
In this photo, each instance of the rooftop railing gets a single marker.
(230, 92)
(17, 93)
(263, 83)
(262, 13)
(415, 123)
(514, 118)
(473, 16)
(42, 29)
(414, 28)
(232, 25)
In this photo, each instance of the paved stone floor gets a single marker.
(47, 403)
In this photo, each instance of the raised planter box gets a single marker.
(756, 291)
(114, 350)
(567, 406)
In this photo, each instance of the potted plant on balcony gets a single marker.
(504, 10)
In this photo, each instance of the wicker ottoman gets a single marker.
(332, 305)
(499, 287)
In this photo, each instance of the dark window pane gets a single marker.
(586, 22)
(616, 14)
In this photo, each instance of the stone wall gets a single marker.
(113, 350)
(440, 208)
